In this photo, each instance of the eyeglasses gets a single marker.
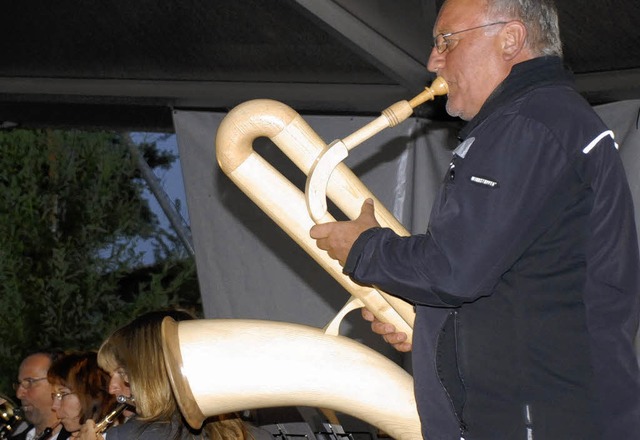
(27, 382)
(441, 43)
(59, 395)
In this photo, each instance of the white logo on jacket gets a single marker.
(484, 181)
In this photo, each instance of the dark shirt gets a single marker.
(22, 435)
(136, 429)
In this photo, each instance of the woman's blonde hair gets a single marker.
(137, 349)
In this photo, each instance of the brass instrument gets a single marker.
(10, 417)
(284, 364)
(124, 402)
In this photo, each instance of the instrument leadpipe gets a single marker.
(338, 150)
(124, 403)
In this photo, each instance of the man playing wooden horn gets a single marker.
(526, 282)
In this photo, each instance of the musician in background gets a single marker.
(34, 392)
(134, 354)
(526, 282)
(80, 389)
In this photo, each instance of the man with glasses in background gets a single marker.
(34, 392)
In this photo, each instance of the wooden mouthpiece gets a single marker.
(438, 87)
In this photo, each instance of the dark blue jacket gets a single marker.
(526, 283)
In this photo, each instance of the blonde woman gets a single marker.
(133, 355)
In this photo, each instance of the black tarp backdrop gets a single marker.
(249, 268)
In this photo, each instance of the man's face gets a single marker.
(36, 397)
(471, 64)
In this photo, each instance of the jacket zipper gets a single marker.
(461, 424)
(453, 315)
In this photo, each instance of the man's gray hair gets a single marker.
(540, 17)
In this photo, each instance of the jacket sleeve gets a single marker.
(477, 231)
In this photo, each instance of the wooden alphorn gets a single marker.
(218, 366)
(285, 364)
(284, 203)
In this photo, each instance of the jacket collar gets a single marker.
(525, 76)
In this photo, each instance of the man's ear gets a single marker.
(513, 38)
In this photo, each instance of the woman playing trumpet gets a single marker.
(79, 390)
(133, 355)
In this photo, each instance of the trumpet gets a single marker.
(124, 402)
(10, 418)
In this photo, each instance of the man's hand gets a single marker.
(388, 331)
(337, 238)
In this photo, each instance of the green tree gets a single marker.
(71, 214)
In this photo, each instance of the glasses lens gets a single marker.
(60, 395)
(440, 43)
(27, 383)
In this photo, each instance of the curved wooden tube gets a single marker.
(282, 364)
(326, 162)
(286, 204)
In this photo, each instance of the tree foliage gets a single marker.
(71, 214)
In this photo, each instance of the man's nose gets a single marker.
(20, 392)
(436, 60)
